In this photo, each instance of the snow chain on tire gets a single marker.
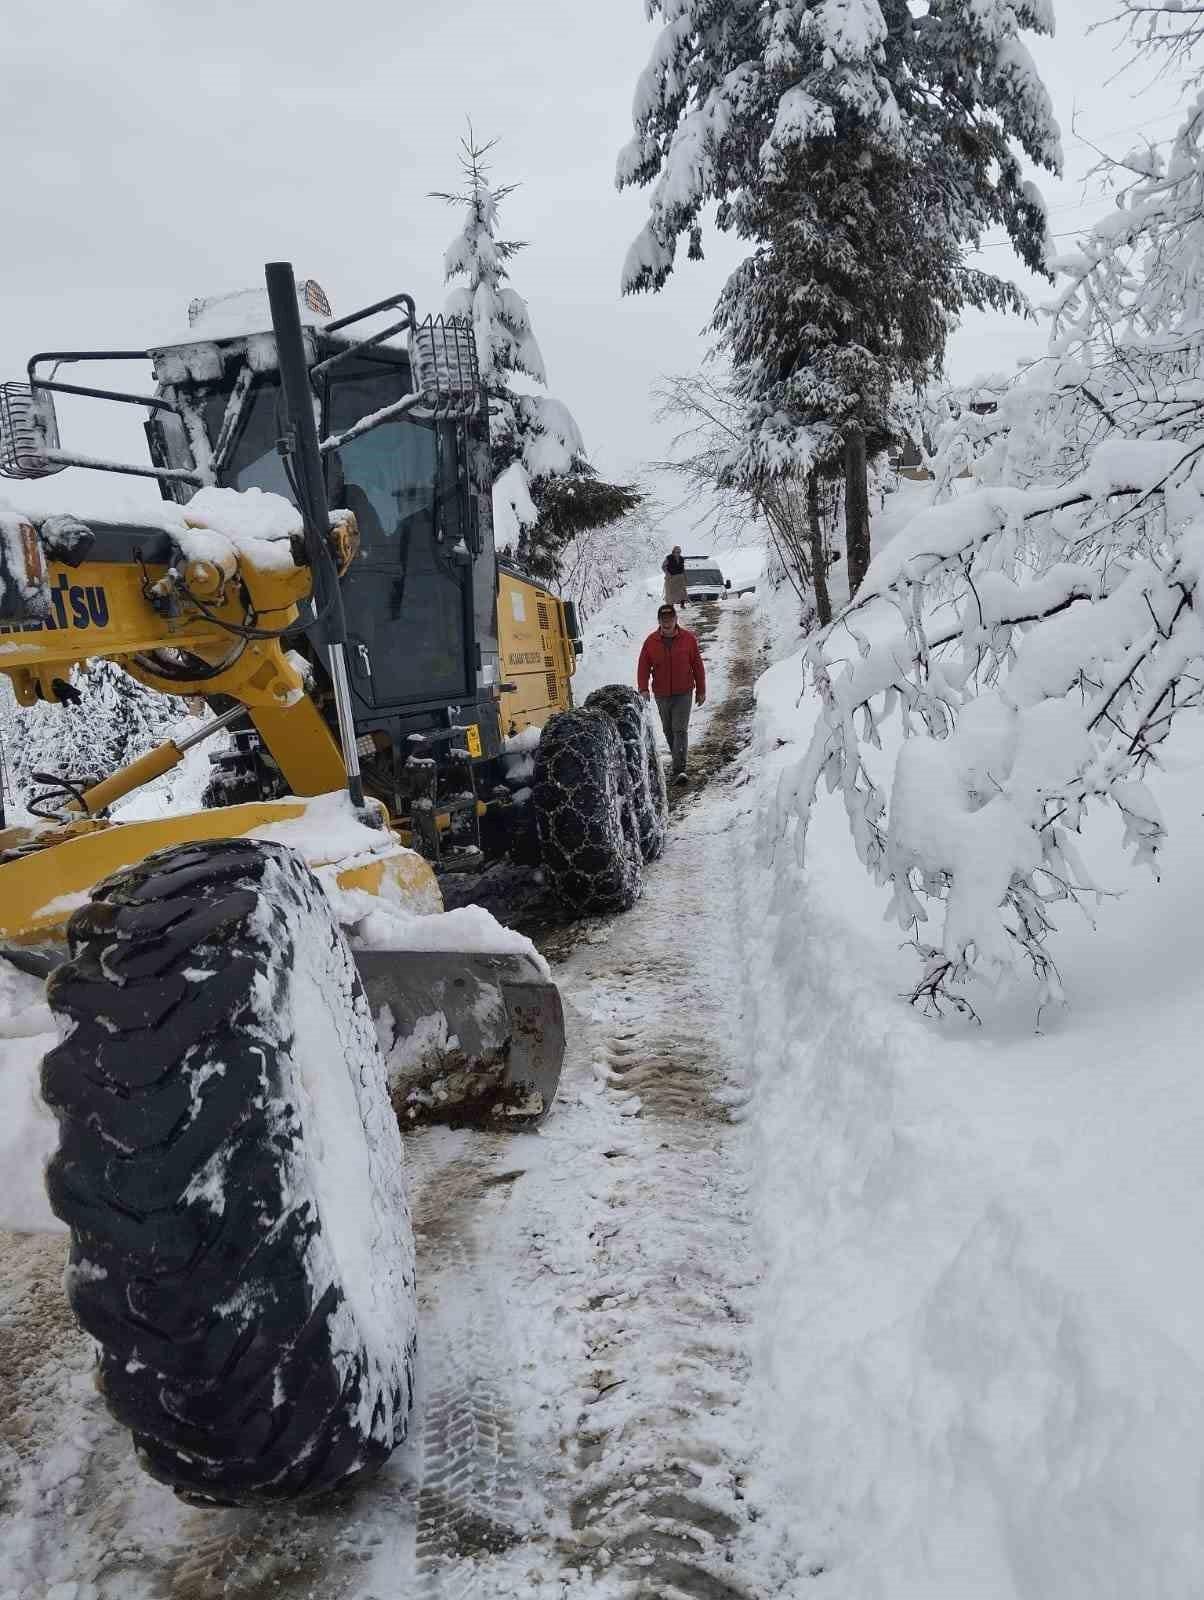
(585, 811)
(224, 1132)
(630, 713)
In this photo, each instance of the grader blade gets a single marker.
(467, 1037)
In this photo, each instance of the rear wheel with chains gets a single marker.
(586, 814)
(629, 712)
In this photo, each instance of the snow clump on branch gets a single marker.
(1035, 645)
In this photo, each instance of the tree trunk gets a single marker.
(819, 565)
(789, 536)
(856, 509)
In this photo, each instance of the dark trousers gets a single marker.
(675, 720)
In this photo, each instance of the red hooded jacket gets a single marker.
(674, 665)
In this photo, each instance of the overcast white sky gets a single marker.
(159, 149)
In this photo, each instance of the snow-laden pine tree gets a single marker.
(111, 720)
(546, 492)
(858, 147)
(1036, 638)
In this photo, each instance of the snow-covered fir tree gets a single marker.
(857, 148)
(108, 720)
(821, 339)
(1039, 636)
(546, 492)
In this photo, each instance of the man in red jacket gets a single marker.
(670, 657)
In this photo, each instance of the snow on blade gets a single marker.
(467, 928)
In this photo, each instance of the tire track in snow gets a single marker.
(471, 1497)
(657, 1505)
(659, 1468)
(594, 1276)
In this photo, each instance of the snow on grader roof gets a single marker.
(239, 316)
(240, 312)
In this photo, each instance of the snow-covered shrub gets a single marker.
(596, 563)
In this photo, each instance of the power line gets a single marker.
(1097, 205)
(1110, 133)
(1001, 244)
(1072, 205)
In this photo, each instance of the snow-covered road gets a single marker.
(796, 1292)
(581, 1424)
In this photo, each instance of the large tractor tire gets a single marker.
(230, 1168)
(629, 712)
(585, 813)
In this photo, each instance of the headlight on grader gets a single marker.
(29, 433)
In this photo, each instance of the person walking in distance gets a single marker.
(674, 568)
(671, 661)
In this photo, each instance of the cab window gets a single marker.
(254, 462)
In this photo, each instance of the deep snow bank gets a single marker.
(981, 1337)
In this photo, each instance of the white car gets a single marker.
(705, 581)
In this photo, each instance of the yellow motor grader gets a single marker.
(250, 995)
